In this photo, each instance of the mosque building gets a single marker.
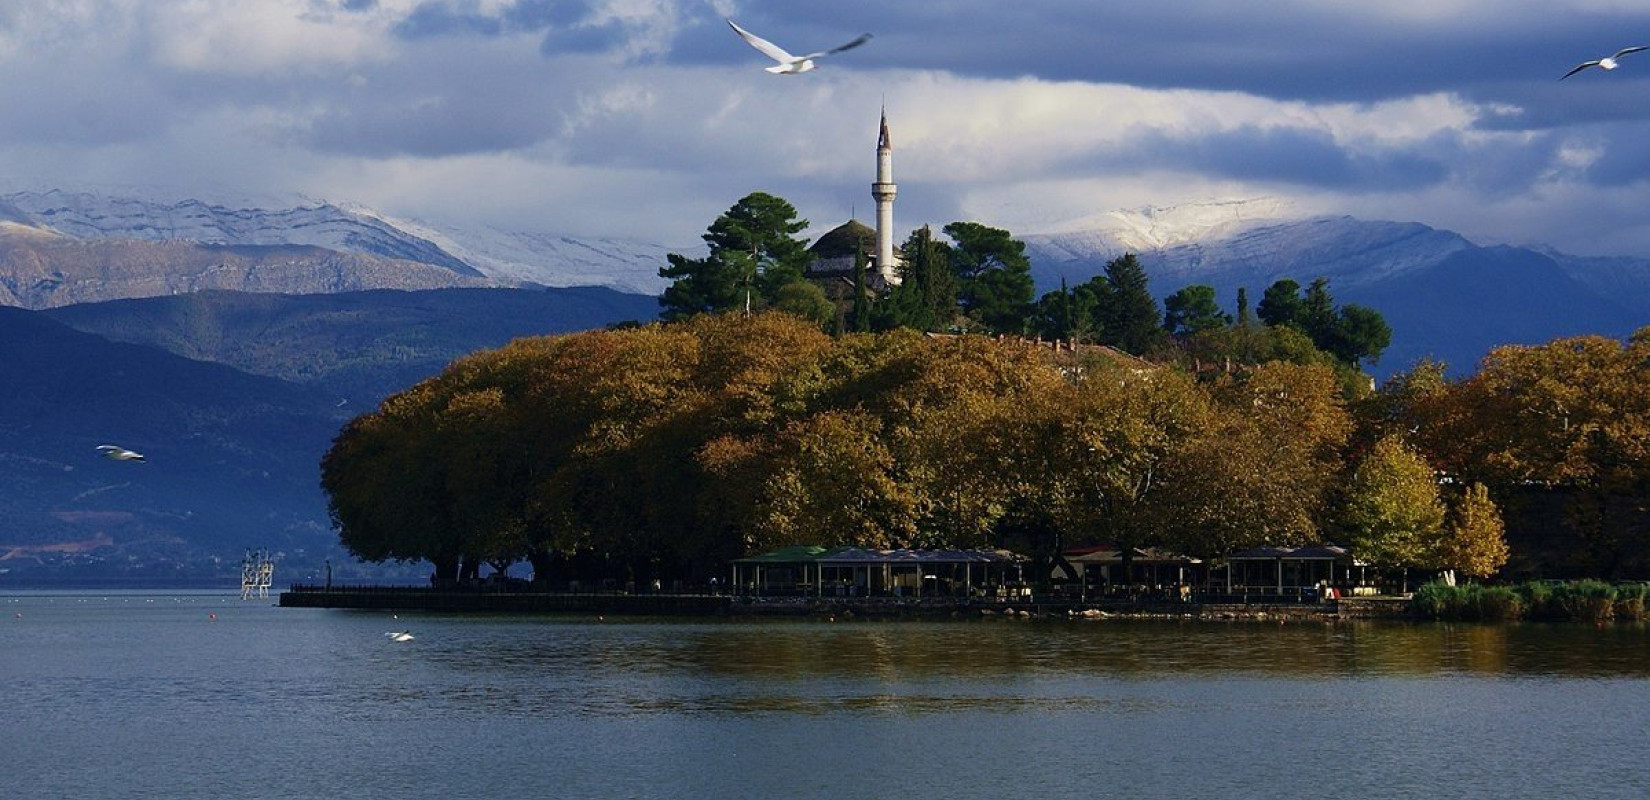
(835, 251)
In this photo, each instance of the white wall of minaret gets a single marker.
(883, 192)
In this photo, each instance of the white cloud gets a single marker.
(252, 37)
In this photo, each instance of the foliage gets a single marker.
(1072, 313)
(1473, 602)
(1630, 601)
(993, 275)
(1578, 601)
(1588, 601)
(1193, 310)
(1392, 516)
(926, 298)
(1129, 318)
(1473, 537)
(1352, 333)
(753, 254)
(1281, 304)
(1568, 420)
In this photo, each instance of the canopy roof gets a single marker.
(786, 555)
(1110, 554)
(807, 554)
(1315, 552)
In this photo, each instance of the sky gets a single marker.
(645, 119)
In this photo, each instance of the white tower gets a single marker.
(883, 192)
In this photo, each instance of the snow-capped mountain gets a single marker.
(1444, 296)
(83, 215)
(1152, 228)
(350, 247)
(550, 259)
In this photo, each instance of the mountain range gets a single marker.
(1444, 296)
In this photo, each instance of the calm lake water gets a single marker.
(204, 696)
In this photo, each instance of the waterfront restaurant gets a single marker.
(1283, 572)
(1100, 570)
(812, 571)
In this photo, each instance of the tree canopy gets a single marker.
(754, 255)
(690, 443)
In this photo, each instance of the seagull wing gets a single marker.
(1579, 67)
(768, 48)
(1625, 50)
(863, 38)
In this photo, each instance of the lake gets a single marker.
(170, 695)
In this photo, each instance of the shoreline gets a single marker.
(701, 605)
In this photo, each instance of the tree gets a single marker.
(753, 253)
(806, 300)
(1115, 454)
(833, 483)
(1070, 314)
(1129, 317)
(860, 314)
(1474, 540)
(1566, 423)
(1360, 334)
(1262, 472)
(1317, 313)
(994, 283)
(1281, 305)
(1351, 333)
(1393, 517)
(1193, 310)
(926, 298)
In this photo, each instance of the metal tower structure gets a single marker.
(257, 574)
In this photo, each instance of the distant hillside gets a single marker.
(44, 271)
(357, 346)
(89, 217)
(1444, 296)
(232, 457)
(450, 256)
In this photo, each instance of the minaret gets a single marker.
(883, 192)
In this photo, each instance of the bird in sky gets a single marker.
(789, 64)
(1605, 63)
(116, 453)
(399, 636)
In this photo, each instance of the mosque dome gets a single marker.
(841, 241)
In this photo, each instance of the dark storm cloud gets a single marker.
(1303, 50)
(440, 19)
(1625, 157)
(1297, 156)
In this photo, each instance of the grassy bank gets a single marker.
(1578, 601)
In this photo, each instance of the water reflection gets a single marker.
(1127, 650)
(549, 667)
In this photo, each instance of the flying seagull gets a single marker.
(789, 64)
(114, 453)
(1605, 63)
(399, 636)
